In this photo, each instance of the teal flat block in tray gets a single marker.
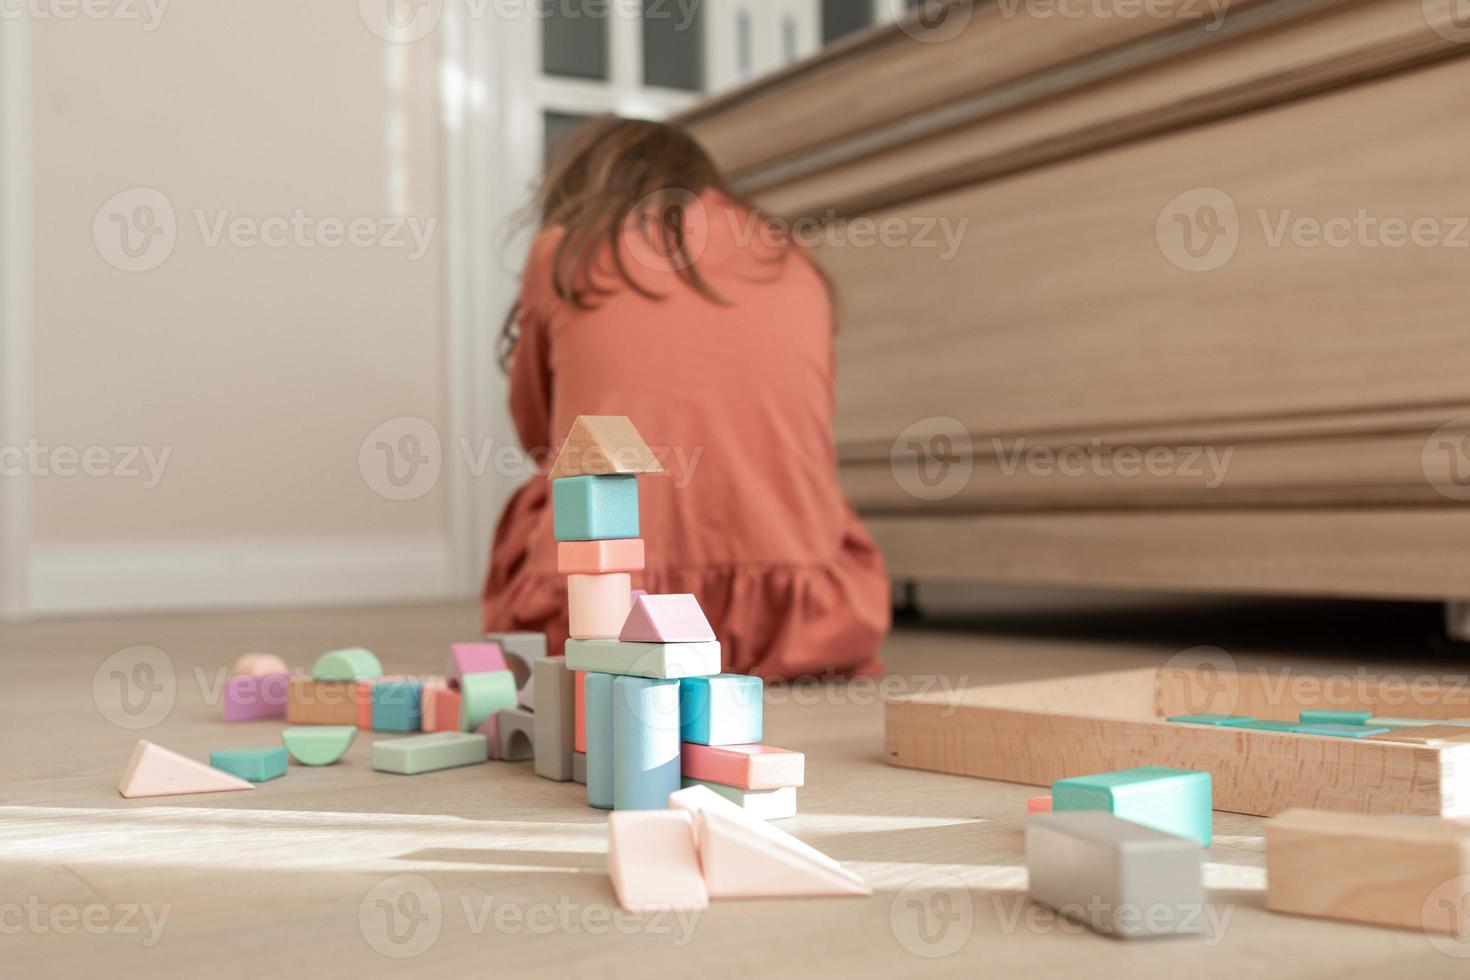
(1269, 726)
(398, 706)
(430, 752)
(1176, 801)
(598, 711)
(594, 508)
(727, 709)
(252, 765)
(1210, 718)
(1323, 717)
(1340, 731)
(1377, 722)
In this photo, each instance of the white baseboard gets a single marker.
(234, 574)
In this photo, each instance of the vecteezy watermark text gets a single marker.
(1207, 463)
(143, 463)
(39, 918)
(147, 13)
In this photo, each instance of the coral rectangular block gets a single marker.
(314, 702)
(250, 696)
(727, 709)
(396, 705)
(599, 557)
(763, 804)
(657, 660)
(1175, 801)
(251, 765)
(591, 508)
(597, 605)
(600, 747)
(353, 664)
(554, 718)
(579, 705)
(652, 861)
(666, 619)
(429, 753)
(473, 658)
(1038, 804)
(156, 771)
(645, 742)
(444, 710)
(745, 766)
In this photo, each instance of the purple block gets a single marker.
(256, 696)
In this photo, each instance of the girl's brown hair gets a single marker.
(608, 170)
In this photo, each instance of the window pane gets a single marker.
(673, 44)
(559, 125)
(574, 38)
(841, 17)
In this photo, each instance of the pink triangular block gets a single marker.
(666, 619)
(743, 857)
(652, 862)
(155, 771)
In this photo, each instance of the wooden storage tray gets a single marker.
(1037, 732)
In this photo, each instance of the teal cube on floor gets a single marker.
(1176, 801)
(595, 508)
(398, 706)
(252, 765)
(727, 709)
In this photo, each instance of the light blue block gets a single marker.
(1341, 731)
(595, 508)
(1323, 717)
(645, 742)
(598, 714)
(397, 706)
(1210, 718)
(1176, 801)
(727, 709)
(253, 765)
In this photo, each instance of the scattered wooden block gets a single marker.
(763, 804)
(599, 708)
(599, 445)
(554, 718)
(251, 696)
(1407, 872)
(251, 765)
(429, 753)
(1115, 876)
(473, 658)
(726, 709)
(579, 704)
(696, 796)
(314, 702)
(1376, 722)
(1322, 716)
(590, 508)
(1038, 804)
(1175, 801)
(521, 650)
(666, 619)
(396, 705)
(156, 771)
(744, 766)
(318, 745)
(657, 660)
(1435, 735)
(652, 861)
(1211, 718)
(1269, 726)
(1340, 731)
(579, 767)
(481, 695)
(597, 605)
(441, 709)
(744, 857)
(645, 742)
(517, 732)
(258, 665)
(353, 664)
(600, 557)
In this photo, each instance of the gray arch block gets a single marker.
(517, 734)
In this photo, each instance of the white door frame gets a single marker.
(15, 310)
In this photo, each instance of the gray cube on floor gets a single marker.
(521, 651)
(517, 734)
(554, 726)
(1115, 876)
(579, 767)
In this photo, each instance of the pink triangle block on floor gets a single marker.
(744, 857)
(155, 771)
(652, 862)
(666, 619)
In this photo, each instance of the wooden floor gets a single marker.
(490, 871)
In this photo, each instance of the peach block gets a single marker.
(258, 665)
(745, 766)
(1038, 804)
(598, 605)
(599, 557)
(314, 702)
(652, 862)
(579, 712)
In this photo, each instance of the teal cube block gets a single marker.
(252, 765)
(398, 706)
(1176, 801)
(727, 709)
(595, 508)
(1210, 718)
(1341, 731)
(1335, 717)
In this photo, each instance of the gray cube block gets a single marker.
(1115, 876)
(517, 734)
(521, 651)
(555, 721)
(579, 767)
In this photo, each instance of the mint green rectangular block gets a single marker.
(594, 508)
(1176, 801)
(251, 765)
(430, 752)
(1211, 718)
(1270, 726)
(1325, 717)
(1340, 731)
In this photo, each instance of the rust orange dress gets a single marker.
(737, 401)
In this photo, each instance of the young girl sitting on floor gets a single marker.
(653, 291)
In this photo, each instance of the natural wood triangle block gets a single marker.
(155, 771)
(666, 619)
(603, 445)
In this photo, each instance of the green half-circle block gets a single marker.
(483, 694)
(318, 745)
(353, 664)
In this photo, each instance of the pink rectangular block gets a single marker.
(579, 708)
(743, 766)
(599, 557)
(598, 605)
(666, 619)
(473, 658)
(652, 861)
(251, 696)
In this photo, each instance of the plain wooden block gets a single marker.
(597, 605)
(258, 665)
(1407, 872)
(1115, 876)
(600, 557)
(1175, 801)
(652, 861)
(352, 664)
(727, 709)
(473, 658)
(645, 742)
(521, 649)
(318, 745)
(763, 804)
(250, 696)
(516, 728)
(673, 618)
(315, 702)
(579, 767)
(744, 766)
(429, 753)
(657, 660)
(590, 508)
(600, 748)
(744, 857)
(255, 765)
(600, 445)
(554, 707)
(153, 770)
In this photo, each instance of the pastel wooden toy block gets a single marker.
(441, 709)
(1324, 717)
(1377, 722)
(396, 705)
(599, 707)
(590, 508)
(521, 650)
(473, 658)
(526, 696)
(155, 771)
(579, 704)
(744, 766)
(490, 728)
(763, 804)
(652, 861)
(517, 731)
(1433, 735)
(1383, 870)
(696, 796)
(597, 605)
(251, 765)
(600, 557)
(666, 619)
(727, 709)
(657, 660)
(1211, 719)
(1115, 876)
(258, 665)
(645, 742)
(579, 767)
(481, 695)
(319, 745)
(1268, 726)
(744, 857)
(1038, 804)
(1340, 731)
(250, 696)
(1175, 801)
(599, 445)
(353, 664)
(429, 753)
(554, 690)
(314, 702)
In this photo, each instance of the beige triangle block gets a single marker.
(743, 857)
(603, 445)
(155, 771)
